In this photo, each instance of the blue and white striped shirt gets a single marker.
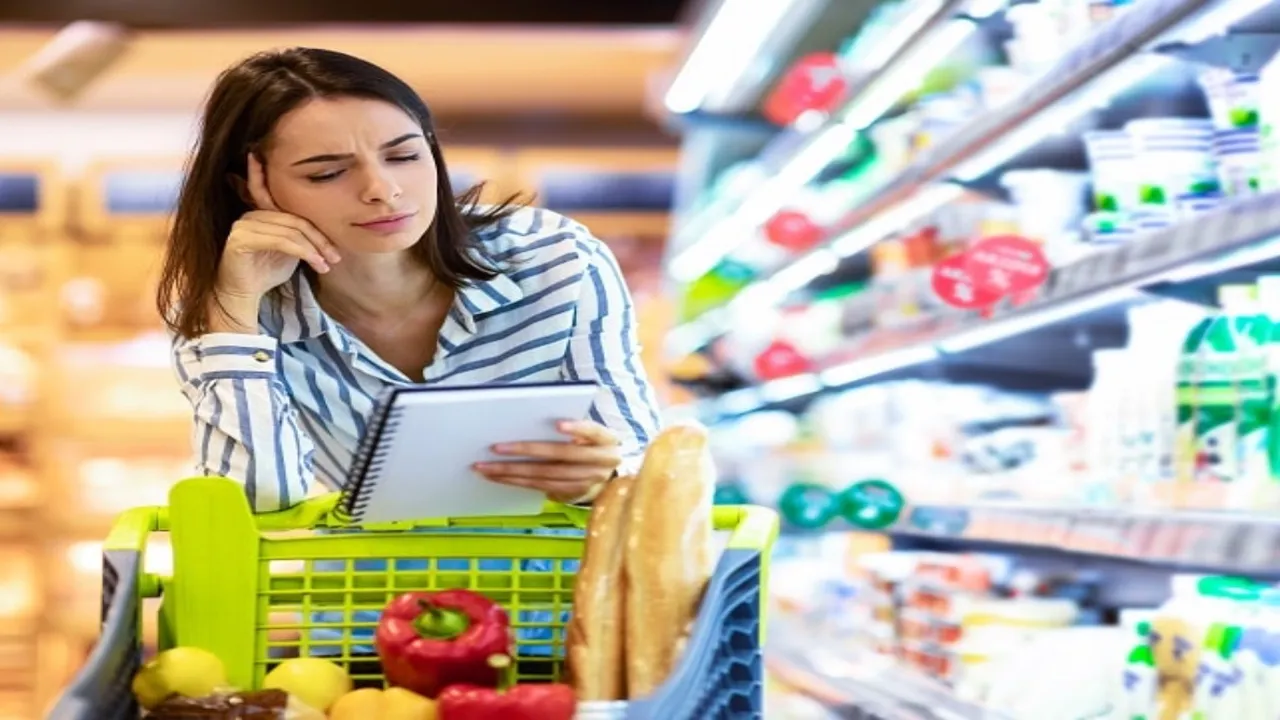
(288, 406)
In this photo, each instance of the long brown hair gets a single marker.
(243, 108)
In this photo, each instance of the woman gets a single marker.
(318, 255)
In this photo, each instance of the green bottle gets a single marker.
(1224, 396)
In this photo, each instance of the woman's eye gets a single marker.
(403, 158)
(324, 177)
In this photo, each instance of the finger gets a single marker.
(545, 471)
(258, 229)
(560, 491)
(564, 452)
(258, 185)
(303, 226)
(592, 432)
(266, 242)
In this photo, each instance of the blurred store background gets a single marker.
(958, 285)
(97, 104)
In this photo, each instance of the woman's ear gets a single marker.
(241, 186)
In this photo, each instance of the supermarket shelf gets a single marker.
(797, 155)
(866, 688)
(1187, 260)
(1240, 543)
(1115, 59)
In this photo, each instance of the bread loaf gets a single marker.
(596, 635)
(668, 553)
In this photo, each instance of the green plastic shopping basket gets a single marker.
(253, 588)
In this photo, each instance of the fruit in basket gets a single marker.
(315, 681)
(390, 704)
(430, 640)
(508, 701)
(183, 671)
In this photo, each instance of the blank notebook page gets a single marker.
(433, 436)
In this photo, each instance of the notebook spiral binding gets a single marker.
(367, 466)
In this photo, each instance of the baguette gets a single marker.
(596, 636)
(668, 553)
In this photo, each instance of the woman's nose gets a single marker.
(380, 187)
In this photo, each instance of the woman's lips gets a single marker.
(391, 223)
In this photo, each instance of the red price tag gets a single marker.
(814, 82)
(793, 230)
(1008, 265)
(780, 360)
(955, 285)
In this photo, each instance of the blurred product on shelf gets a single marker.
(1183, 416)
(959, 619)
(935, 442)
(1211, 651)
(986, 625)
(1145, 174)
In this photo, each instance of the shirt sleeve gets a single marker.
(245, 426)
(605, 348)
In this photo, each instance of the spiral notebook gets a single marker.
(415, 459)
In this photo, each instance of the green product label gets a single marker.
(872, 504)
(1225, 396)
(1244, 117)
(808, 506)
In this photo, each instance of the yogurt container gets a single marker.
(1232, 97)
(1111, 157)
(1174, 158)
(1238, 154)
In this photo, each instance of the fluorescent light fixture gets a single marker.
(704, 253)
(1031, 319)
(732, 39)
(798, 274)
(905, 75)
(1058, 118)
(788, 388)
(896, 219)
(898, 34)
(868, 367)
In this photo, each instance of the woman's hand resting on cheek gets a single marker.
(266, 244)
(569, 471)
(262, 252)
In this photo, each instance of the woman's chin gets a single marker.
(380, 243)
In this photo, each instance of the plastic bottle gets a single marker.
(1140, 680)
(1224, 403)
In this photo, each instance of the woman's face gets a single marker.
(360, 170)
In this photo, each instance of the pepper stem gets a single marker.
(440, 623)
(506, 670)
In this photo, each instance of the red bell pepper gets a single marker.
(540, 701)
(428, 641)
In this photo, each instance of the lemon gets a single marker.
(315, 681)
(185, 671)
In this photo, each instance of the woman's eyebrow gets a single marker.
(346, 156)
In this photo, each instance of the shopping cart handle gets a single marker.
(315, 512)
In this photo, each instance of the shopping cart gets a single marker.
(253, 589)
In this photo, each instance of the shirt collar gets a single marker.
(297, 315)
